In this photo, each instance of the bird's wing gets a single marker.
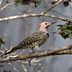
(36, 36)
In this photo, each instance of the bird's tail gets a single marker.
(10, 51)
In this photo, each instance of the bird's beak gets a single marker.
(53, 23)
(50, 24)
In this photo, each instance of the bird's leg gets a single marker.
(35, 45)
(6, 51)
(33, 50)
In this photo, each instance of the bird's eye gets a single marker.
(46, 23)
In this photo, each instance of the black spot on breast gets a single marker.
(47, 34)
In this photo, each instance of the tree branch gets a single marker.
(52, 7)
(6, 6)
(33, 15)
(57, 51)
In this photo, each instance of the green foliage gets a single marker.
(17, 2)
(36, 2)
(66, 30)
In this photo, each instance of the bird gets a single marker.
(37, 38)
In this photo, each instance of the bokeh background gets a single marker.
(14, 31)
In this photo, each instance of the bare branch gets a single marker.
(52, 7)
(33, 15)
(58, 51)
(6, 6)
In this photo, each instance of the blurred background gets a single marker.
(14, 31)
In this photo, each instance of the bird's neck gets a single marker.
(43, 30)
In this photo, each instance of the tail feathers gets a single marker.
(9, 51)
(12, 50)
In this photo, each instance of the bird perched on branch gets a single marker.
(36, 39)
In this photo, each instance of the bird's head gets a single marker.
(44, 26)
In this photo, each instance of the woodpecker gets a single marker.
(36, 39)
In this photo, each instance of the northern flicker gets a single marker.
(36, 39)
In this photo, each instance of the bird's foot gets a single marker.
(33, 50)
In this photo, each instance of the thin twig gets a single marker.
(52, 7)
(6, 6)
(33, 15)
